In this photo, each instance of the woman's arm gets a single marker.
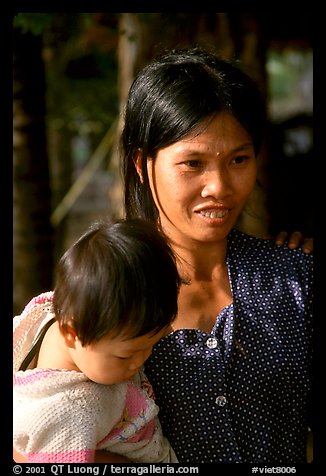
(103, 456)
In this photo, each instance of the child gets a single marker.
(78, 351)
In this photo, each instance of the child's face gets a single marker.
(113, 360)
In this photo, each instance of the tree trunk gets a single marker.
(61, 173)
(33, 234)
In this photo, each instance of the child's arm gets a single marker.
(61, 423)
(18, 457)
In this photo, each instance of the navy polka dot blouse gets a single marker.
(240, 393)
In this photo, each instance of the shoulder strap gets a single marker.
(36, 347)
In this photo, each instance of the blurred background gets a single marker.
(71, 75)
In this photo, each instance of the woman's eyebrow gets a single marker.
(194, 151)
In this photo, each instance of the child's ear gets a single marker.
(70, 337)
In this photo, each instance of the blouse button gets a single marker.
(220, 401)
(211, 342)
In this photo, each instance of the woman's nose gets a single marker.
(216, 184)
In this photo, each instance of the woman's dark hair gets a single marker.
(118, 278)
(169, 98)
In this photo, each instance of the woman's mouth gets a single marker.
(214, 213)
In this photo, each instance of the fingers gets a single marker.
(281, 238)
(295, 239)
(308, 245)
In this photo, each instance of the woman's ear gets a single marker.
(138, 161)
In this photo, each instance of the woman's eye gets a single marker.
(240, 159)
(193, 163)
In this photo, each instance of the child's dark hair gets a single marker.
(119, 278)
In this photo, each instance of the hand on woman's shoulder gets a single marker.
(295, 240)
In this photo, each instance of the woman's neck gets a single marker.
(201, 261)
(206, 286)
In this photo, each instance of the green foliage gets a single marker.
(81, 98)
(289, 81)
(33, 22)
(88, 105)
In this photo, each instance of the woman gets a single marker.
(233, 378)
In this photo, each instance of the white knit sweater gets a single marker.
(62, 416)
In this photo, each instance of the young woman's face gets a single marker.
(113, 360)
(201, 183)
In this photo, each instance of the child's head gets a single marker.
(117, 286)
(117, 278)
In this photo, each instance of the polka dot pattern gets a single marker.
(239, 394)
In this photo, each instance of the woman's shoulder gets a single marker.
(264, 251)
